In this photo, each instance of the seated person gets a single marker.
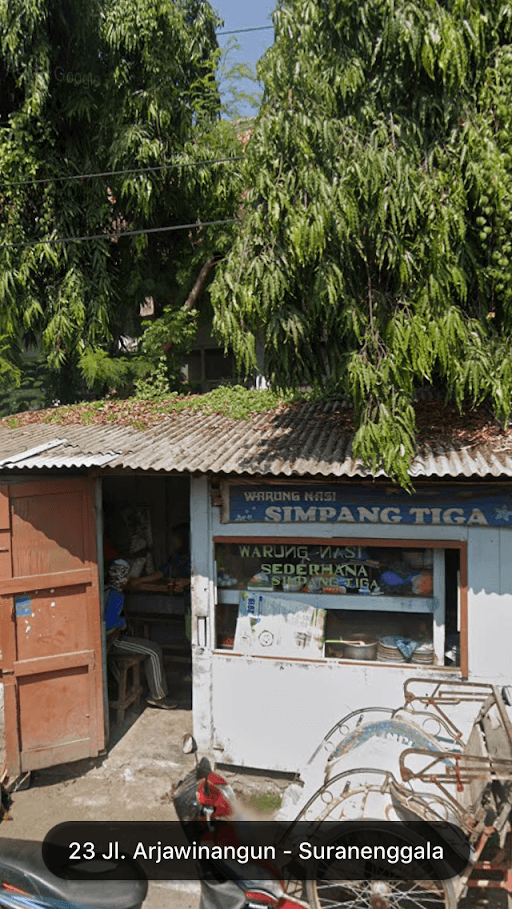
(153, 664)
(177, 568)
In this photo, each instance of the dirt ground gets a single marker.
(133, 781)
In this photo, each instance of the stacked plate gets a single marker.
(388, 652)
(424, 653)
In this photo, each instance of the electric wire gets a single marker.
(239, 31)
(116, 235)
(115, 173)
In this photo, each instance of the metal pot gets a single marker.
(351, 649)
(357, 650)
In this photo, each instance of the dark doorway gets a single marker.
(144, 520)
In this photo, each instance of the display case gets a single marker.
(392, 596)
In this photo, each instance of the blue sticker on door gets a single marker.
(23, 605)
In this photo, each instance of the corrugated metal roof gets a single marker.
(305, 440)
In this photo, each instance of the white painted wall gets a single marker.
(271, 714)
(202, 611)
(490, 604)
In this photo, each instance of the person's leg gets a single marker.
(153, 664)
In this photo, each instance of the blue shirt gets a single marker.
(177, 563)
(114, 603)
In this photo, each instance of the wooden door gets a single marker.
(50, 623)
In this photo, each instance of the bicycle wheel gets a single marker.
(374, 894)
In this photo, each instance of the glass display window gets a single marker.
(329, 569)
(335, 600)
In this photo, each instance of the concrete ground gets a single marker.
(133, 781)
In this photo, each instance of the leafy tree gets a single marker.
(233, 74)
(95, 87)
(375, 254)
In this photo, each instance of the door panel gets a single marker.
(59, 699)
(50, 624)
(44, 542)
(56, 623)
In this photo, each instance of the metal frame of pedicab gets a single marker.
(449, 770)
(464, 779)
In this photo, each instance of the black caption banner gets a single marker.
(332, 850)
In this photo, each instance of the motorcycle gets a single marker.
(26, 882)
(202, 799)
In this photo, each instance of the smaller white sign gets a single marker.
(269, 624)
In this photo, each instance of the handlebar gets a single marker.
(203, 769)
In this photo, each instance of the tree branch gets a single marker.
(191, 300)
(193, 296)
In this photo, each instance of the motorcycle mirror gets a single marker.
(189, 744)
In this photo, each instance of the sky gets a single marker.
(240, 14)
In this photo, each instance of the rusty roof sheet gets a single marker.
(302, 440)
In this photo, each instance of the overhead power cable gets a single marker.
(238, 31)
(116, 235)
(116, 173)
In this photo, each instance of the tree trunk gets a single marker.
(192, 298)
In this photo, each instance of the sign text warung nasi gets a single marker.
(294, 504)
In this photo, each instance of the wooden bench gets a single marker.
(143, 622)
(128, 690)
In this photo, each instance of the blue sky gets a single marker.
(239, 15)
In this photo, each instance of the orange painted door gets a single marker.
(50, 623)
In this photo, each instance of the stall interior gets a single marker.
(371, 602)
(145, 521)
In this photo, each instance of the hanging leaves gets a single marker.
(101, 86)
(379, 212)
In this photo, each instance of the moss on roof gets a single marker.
(234, 401)
(436, 423)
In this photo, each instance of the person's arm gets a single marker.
(180, 584)
(138, 583)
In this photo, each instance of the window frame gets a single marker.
(394, 542)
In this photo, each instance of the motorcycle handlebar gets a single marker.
(204, 768)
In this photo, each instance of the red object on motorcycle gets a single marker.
(12, 889)
(216, 780)
(210, 795)
(287, 902)
(259, 898)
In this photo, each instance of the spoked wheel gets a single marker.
(336, 884)
(330, 894)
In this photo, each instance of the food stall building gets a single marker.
(317, 588)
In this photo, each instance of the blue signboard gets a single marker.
(343, 505)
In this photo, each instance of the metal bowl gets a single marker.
(351, 649)
(358, 651)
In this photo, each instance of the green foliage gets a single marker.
(264, 802)
(156, 385)
(175, 329)
(230, 76)
(94, 87)
(375, 254)
(147, 408)
(99, 369)
(234, 401)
